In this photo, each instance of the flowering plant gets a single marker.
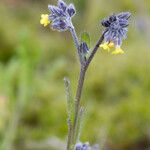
(60, 19)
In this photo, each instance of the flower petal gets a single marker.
(111, 44)
(52, 17)
(123, 23)
(62, 5)
(59, 25)
(71, 10)
(44, 20)
(124, 15)
(105, 46)
(118, 51)
(56, 11)
(112, 18)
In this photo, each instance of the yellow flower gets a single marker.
(111, 44)
(44, 20)
(105, 46)
(117, 51)
(108, 45)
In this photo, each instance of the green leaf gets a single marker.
(85, 37)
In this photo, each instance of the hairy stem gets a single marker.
(77, 100)
(94, 51)
(83, 70)
(76, 41)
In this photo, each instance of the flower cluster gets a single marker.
(115, 31)
(60, 16)
(82, 146)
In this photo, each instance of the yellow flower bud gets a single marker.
(105, 46)
(117, 51)
(44, 20)
(111, 44)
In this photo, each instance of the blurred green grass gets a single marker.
(32, 67)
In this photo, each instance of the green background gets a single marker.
(34, 60)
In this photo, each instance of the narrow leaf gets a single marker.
(70, 101)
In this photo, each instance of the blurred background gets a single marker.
(34, 60)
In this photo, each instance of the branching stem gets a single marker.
(82, 74)
(83, 68)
